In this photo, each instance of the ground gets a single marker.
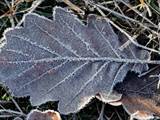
(138, 18)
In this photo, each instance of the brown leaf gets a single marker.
(46, 115)
(140, 108)
(140, 95)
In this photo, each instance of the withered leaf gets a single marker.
(64, 60)
(141, 97)
(46, 115)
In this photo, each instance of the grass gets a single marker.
(137, 19)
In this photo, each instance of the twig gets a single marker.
(132, 39)
(35, 4)
(126, 44)
(138, 13)
(120, 15)
(158, 76)
(11, 15)
(5, 116)
(102, 112)
(73, 6)
(18, 107)
(4, 102)
(125, 33)
(147, 72)
(116, 4)
(118, 115)
(12, 111)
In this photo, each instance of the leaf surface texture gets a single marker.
(67, 61)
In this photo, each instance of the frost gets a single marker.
(64, 60)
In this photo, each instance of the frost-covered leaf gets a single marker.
(141, 98)
(64, 60)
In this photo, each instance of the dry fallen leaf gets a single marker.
(141, 98)
(46, 115)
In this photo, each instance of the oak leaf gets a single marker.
(67, 61)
